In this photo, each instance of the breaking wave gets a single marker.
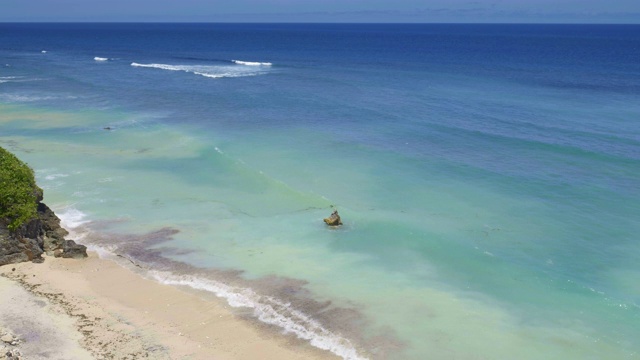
(72, 219)
(210, 71)
(97, 58)
(268, 310)
(6, 79)
(251, 63)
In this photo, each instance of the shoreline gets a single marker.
(119, 314)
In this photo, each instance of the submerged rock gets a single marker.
(334, 219)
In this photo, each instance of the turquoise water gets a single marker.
(487, 176)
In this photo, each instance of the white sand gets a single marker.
(94, 308)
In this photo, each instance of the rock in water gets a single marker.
(334, 219)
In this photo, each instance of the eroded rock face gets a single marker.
(15, 249)
(41, 235)
(51, 232)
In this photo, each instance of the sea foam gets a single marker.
(268, 310)
(210, 71)
(71, 218)
(251, 63)
(6, 79)
(55, 176)
(97, 58)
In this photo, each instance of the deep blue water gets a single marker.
(489, 175)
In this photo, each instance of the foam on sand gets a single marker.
(268, 310)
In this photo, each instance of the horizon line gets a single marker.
(317, 22)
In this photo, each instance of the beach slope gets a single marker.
(114, 313)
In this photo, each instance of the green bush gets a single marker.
(19, 193)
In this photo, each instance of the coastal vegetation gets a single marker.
(19, 194)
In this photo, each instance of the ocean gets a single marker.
(488, 176)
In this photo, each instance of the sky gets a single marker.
(430, 11)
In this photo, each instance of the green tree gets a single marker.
(19, 193)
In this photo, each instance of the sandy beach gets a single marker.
(96, 308)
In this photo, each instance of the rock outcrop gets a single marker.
(334, 219)
(28, 228)
(40, 235)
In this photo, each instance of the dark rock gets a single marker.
(40, 235)
(14, 249)
(334, 219)
(73, 250)
(52, 233)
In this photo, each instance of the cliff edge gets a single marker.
(28, 228)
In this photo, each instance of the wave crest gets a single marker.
(251, 63)
(209, 71)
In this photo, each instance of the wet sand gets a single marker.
(96, 308)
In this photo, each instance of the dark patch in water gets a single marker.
(285, 295)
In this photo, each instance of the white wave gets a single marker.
(266, 308)
(6, 79)
(71, 218)
(104, 252)
(210, 71)
(55, 176)
(44, 51)
(269, 310)
(97, 58)
(252, 63)
(25, 98)
(216, 76)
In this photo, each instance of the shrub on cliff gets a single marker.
(19, 194)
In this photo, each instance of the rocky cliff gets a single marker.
(28, 228)
(40, 235)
